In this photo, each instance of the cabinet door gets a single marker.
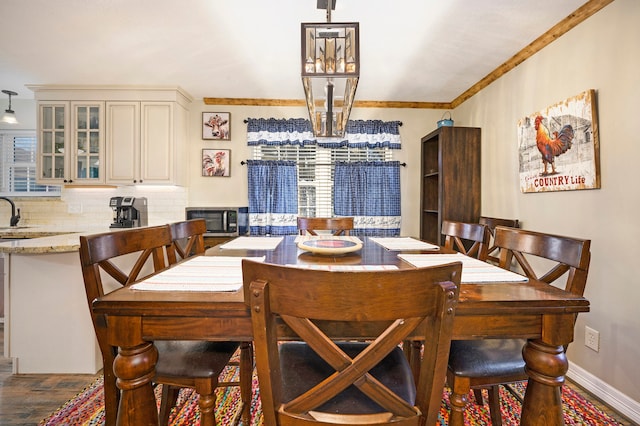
(123, 142)
(157, 142)
(87, 142)
(53, 142)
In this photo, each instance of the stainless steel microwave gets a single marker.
(222, 221)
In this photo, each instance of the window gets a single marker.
(316, 171)
(18, 166)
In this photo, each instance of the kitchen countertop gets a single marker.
(39, 239)
(38, 245)
(44, 239)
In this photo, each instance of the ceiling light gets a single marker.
(330, 72)
(9, 116)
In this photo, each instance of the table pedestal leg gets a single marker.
(546, 366)
(134, 369)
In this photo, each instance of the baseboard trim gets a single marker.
(611, 396)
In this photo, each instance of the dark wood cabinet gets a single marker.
(450, 188)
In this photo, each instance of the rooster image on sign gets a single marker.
(552, 146)
(558, 147)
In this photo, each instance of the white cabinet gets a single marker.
(71, 143)
(144, 143)
(131, 135)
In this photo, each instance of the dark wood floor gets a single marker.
(26, 399)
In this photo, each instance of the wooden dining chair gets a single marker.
(471, 239)
(187, 239)
(120, 258)
(488, 363)
(337, 225)
(319, 379)
(493, 253)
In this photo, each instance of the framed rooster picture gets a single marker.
(215, 162)
(559, 147)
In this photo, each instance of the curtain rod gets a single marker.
(318, 164)
(246, 120)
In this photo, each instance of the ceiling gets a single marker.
(411, 50)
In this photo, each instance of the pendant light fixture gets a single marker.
(330, 72)
(9, 116)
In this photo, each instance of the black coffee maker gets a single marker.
(128, 212)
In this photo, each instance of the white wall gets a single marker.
(603, 53)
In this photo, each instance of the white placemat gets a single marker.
(473, 270)
(403, 243)
(252, 243)
(201, 273)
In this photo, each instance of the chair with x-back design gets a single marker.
(493, 253)
(187, 239)
(337, 225)
(491, 362)
(471, 239)
(323, 380)
(121, 258)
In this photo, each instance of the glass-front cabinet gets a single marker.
(71, 142)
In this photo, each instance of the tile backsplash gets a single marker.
(89, 207)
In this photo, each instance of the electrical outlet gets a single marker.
(592, 338)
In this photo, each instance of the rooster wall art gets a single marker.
(552, 146)
(564, 137)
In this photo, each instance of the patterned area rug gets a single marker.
(87, 408)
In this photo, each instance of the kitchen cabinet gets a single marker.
(143, 143)
(111, 135)
(71, 143)
(450, 187)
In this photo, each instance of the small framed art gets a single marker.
(215, 162)
(216, 125)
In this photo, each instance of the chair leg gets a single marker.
(513, 392)
(494, 405)
(111, 398)
(477, 393)
(459, 398)
(246, 380)
(168, 401)
(207, 401)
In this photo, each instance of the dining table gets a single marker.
(194, 309)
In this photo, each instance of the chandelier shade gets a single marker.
(330, 73)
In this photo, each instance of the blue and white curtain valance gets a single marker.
(370, 192)
(297, 131)
(273, 197)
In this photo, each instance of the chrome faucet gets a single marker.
(15, 218)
